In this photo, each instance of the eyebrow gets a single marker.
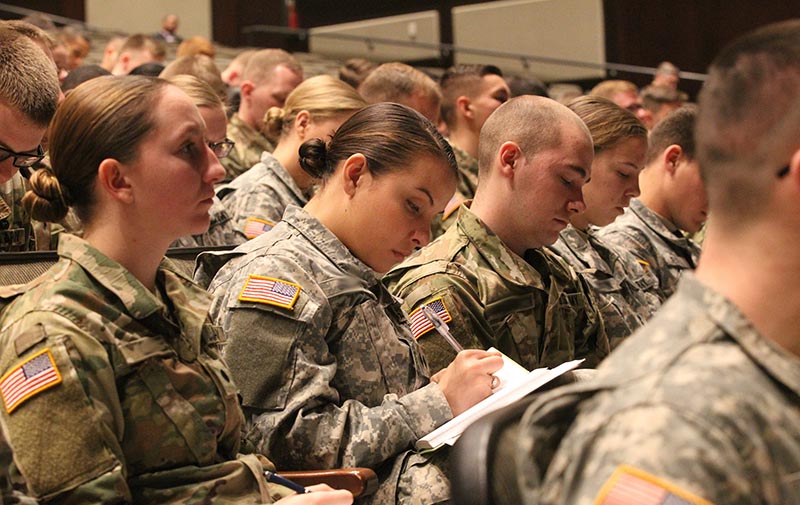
(427, 193)
(578, 169)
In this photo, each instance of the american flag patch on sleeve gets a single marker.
(254, 227)
(270, 291)
(28, 379)
(420, 324)
(632, 486)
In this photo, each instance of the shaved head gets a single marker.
(534, 123)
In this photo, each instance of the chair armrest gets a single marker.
(359, 481)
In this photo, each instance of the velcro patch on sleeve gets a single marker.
(645, 264)
(632, 486)
(254, 227)
(28, 379)
(452, 206)
(420, 324)
(270, 291)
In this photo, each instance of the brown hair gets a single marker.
(196, 45)
(389, 135)
(106, 117)
(394, 82)
(262, 63)
(200, 66)
(677, 128)
(749, 116)
(28, 79)
(607, 122)
(355, 70)
(461, 80)
(321, 96)
(607, 89)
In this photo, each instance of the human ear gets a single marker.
(508, 156)
(464, 106)
(353, 173)
(246, 89)
(672, 156)
(112, 179)
(301, 122)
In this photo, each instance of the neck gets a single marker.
(286, 154)
(137, 250)
(496, 218)
(465, 140)
(246, 115)
(651, 196)
(759, 271)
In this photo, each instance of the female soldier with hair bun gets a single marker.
(112, 387)
(256, 199)
(623, 287)
(328, 368)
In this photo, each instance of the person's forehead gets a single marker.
(492, 82)
(18, 132)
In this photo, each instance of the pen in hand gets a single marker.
(441, 327)
(283, 481)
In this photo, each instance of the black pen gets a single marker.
(283, 481)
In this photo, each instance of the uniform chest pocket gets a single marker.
(561, 328)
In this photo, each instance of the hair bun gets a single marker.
(314, 158)
(47, 200)
(273, 121)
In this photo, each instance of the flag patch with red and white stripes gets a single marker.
(254, 227)
(420, 324)
(632, 486)
(270, 291)
(28, 379)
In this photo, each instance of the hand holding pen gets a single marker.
(322, 494)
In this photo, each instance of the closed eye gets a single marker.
(412, 207)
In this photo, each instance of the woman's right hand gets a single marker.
(468, 378)
(322, 495)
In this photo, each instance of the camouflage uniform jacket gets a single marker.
(332, 378)
(256, 199)
(220, 231)
(737, 442)
(624, 291)
(535, 310)
(250, 143)
(128, 388)
(16, 230)
(467, 173)
(657, 243)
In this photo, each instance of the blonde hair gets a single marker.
(321, 96)
(196, 45)
(607, 89)
(607, 122)
(198, 90)
(106, 117)
(200, 66)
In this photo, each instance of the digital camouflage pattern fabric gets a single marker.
(220, 231)
(697, 400)
(250, 144)
(16, 230)
(143, 409)
(625, 292)
(535, 309)
(330, 375)
(465, 191)
(260, 195)
(658, 244)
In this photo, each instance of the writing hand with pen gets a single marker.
(468, 378)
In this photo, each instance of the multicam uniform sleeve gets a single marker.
(297, 384)
(62, 412)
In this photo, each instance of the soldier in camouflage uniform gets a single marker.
(625, 292)
(673, 203)
(470, 93)
(269, 77)
(315, 109)
(329, 373)
(640, 432)
(488, 275)
(115, 363)
(28, 98)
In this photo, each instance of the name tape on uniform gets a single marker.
(28, 379)
(420, 324)
(270, 291)
(632, 486)
(255, 227)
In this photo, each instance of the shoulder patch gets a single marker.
(28, 379)
(630, 485)
(270, 291)
(254, 227)
(420, 324)
(452, 206)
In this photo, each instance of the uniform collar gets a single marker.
(502, 260)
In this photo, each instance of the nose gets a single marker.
(421, 236)
(576, 205)
(215, 172)
(633, 190)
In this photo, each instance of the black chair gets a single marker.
(481, 469)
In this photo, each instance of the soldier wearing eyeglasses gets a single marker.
(28, 98)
